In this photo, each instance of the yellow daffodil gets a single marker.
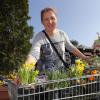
(29, 66)
(80, 66)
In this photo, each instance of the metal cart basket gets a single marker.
(65, 89)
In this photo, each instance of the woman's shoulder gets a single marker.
(39, 35)
(61, 32)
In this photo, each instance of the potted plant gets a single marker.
(26, 74)
(55, 81)
(4, 93)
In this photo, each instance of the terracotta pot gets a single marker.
(4, 93)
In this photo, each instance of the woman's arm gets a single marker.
(76, 52)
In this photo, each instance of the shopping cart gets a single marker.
(64, 89)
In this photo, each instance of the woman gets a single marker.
(43, 52)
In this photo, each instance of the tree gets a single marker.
(14, 33)
(74, 42)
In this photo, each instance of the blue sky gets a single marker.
(80, 19)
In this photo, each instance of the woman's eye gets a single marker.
(46, 19)
(52, 18)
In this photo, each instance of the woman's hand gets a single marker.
(30, 61)
(88, 59)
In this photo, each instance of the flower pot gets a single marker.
(4, 93)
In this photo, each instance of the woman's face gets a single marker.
(49, 21)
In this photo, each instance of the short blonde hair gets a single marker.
(46, 10)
